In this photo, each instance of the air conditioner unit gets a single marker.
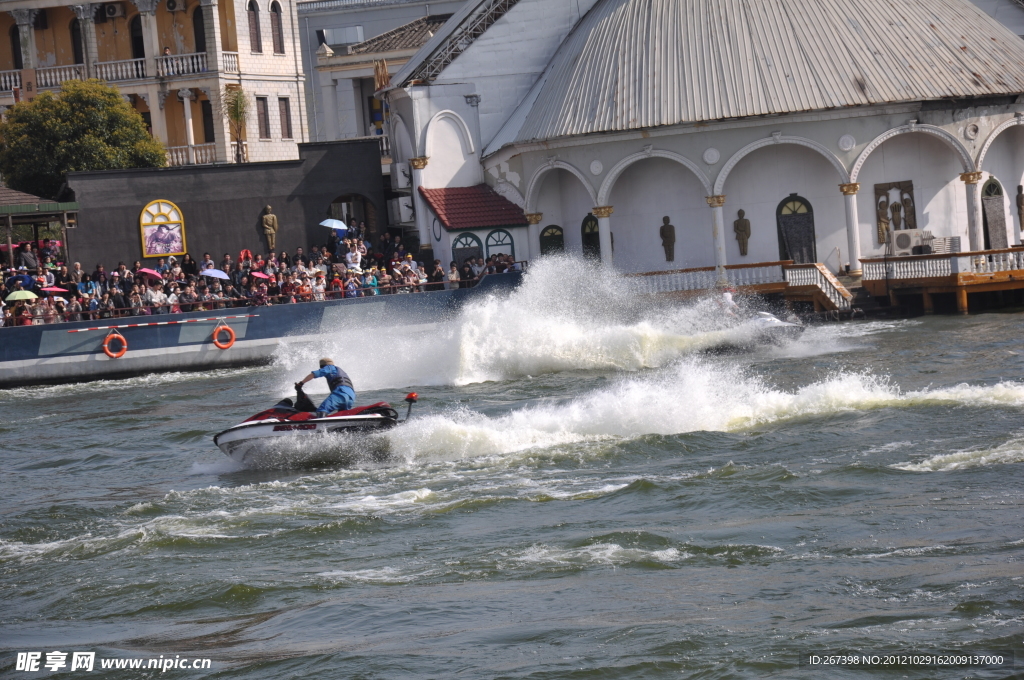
(946, 245)
(401, 211)
(401, 176)
(112, 10)
(175, 5)
(909, 242)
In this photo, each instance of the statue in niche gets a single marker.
(1020, 205)
(742, 229)
(270, 228)
(894, 205)
(668, 239)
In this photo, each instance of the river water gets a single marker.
(579, 495)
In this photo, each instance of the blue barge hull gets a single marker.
(67, 352)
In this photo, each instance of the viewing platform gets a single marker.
(957, 275)
(812, 283)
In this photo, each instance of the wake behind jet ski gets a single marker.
(282, 436)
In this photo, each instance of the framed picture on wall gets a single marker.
(163, 229)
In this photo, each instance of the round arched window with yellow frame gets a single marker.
(163, 229)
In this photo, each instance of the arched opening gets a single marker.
(795, 223)
(138, 44)
(255, 39)
(563, 198)
(357, 212)
(591, 237)
(16, 48)
(77, 51)
(500, 241)
(199, 29)
(275, 28)
(993, 215)
(466, 246)
(552, 240)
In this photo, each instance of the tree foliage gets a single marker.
(235, 107)
(86, 126)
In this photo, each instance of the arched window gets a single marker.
(466, 246)
(138, 44)
(591, 237)
(500, 241)
(795, 222)
(275, 28)
(255, 39)
(163, 229)
(993, 215)
(16, 48)
(199, 29)
(76, 42)
(552, 240)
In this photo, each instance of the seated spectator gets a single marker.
(188, 265)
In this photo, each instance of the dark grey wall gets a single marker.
(222, 204)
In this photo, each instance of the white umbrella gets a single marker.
(334, 224)
(215, 273)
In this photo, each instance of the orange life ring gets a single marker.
(216, 334)
(106, 345)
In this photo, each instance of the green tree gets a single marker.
(235, 107)
(86, 126)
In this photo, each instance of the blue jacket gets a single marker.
(336, 378)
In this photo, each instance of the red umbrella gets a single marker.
(260, 275)
(54, 289)
(151, 273)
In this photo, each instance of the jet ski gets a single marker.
(290, 434)
(768, 329)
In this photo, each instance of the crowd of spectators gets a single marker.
(349, 268)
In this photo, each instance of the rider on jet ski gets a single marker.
(342, 396)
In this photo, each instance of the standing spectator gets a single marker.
(27, 259)
(188, 266)
(453, 276)
(437, 276)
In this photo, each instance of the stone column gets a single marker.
(852, 226)
(211, 24)
(717, 204)
(186, 98)
(156, 101)
(328, 94)
(86, 21)
(24, 17)
(150, 34)
(603, 214)
(974, 222)
(533, 235)
(422, 223)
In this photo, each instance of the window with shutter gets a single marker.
(255, 40)
(263, 117)
(286, 117)
(275, 28)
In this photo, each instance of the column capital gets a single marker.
(534, 218)
(970, 177)
(208, 3)
(23, 17)
(146, 6)
(186, 93)
(419, 163)
(603, 211)
(715, 201)
(83, 12)
(850, 189)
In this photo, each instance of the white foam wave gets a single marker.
(598, 553)
(1010, 452)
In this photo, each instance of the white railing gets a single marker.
(932, 266)
(9, 80)
(707, 277)
(229, 62)
(177, 155)
(819, 276)
(245, 151)
(126, 69)
(205, 153)
(181, 64)
(53, 76)
(385, 146)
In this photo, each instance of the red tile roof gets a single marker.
(473, 207)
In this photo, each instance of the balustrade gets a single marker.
(9, 80)
(933, 266)
(181, 64)
(53, 76)
(125, 69)
(229, 62)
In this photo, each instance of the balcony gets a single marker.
(199, 154)
(9, 80)
(126, 69)
(53, 76)
(245, 151)
(181, 64)
(229, 62)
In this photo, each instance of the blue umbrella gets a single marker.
(215, 273)
(334, 224)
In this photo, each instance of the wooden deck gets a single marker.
(959, 274)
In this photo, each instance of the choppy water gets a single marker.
(582, 495)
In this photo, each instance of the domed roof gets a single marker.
(633, 64)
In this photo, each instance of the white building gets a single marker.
(829, 123)
(172, 60)
(340, 89)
